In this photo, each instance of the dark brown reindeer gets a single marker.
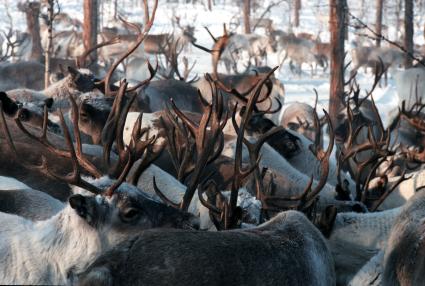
(10, 165)
(217, 49)
(43, 139)
(28, 112)
(291, 250)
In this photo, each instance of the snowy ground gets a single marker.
(313, 19)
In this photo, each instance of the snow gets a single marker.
(313, 19)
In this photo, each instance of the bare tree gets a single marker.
(378, 23)
(247, 15)
(32, 13)
(408, 31)
(347, 20)
(336, 27)
(90, 25)
(49, 49)
(297, 8)
(398, 8)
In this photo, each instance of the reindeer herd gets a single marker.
(163, 179)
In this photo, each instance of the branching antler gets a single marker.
(73, 178)
(208, 142)
(140, 37)
(80, 61)
(85, 163)
(113, 132)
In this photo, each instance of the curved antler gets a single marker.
(141, 36)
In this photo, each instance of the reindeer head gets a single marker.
(127, 211)
(81, 80)
(300, 118)
(28, 112)
(116, 210)
(93, 114)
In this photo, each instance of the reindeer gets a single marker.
(27, 203)
(300, 118)
(403, 257)
(323, 53)
(275, 242)
(154, 44)
(380, 58)
(62, 21)
(29, 112)
(355, 238)
(19, 199)
(265, 23)
(217, 49)
(255, 46)
(298, 50)
(76, 82)
(21, 74)
(97, 223)
(370, 273)
(243, 83)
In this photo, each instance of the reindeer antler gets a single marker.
(141, 36)
(113, 131)
(81, 60)
(206, 135)
(225, 213)
(73, 178)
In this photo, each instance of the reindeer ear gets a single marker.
(73, 72)
(327, 220)
(9, 106)
(48, 102)
(84, 206)
(242, 111)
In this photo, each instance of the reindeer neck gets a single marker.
(366, 230)
(65, 243)
(60, 89)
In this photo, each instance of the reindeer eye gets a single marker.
(23, 115)
(130, 215)
(293, 126)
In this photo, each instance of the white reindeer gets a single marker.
(356, 238)
(403, 259)
(46, 252)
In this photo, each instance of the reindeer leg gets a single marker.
(283, 60)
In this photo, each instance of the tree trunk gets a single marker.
(210, 5)
(408, 31)
(90, 26)
(423, 47)
(247, 15)
(49, 49)
(378, 23)
(399, 5)
(336, 26)
(32, 13)
(297, 8)
(347, 20)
